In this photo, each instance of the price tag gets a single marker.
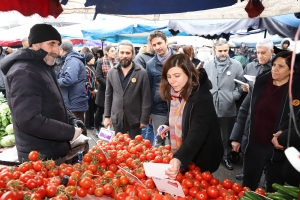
(106, 134)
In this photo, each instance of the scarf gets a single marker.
(163, 59)
(175, 120)
(90, 83)
(107, 64)
(221, 65)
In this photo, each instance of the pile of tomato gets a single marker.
(98, 174)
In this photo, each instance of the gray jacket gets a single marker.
(225, 91)
(134, 103)
(254, 69)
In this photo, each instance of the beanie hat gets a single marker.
(41, 33)
(88, 56)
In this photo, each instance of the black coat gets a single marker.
(243, 128)
(202, 142)
(40, 118)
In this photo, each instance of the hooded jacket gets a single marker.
(40, 118)
(72, 82)
(201, 135)
(143, 56)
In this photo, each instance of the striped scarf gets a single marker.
(175, 120)
(107, 65)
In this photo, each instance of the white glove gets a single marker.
(78, 132)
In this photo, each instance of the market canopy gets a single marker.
(284, 26)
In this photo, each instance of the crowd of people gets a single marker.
(171, 98)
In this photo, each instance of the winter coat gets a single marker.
(201, 135)
(100, 96)
(72, 82)
(133, 104)
(40, 117)
(154, 69)
(225, 91)
(243, 127)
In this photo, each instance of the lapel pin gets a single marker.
(133, 80)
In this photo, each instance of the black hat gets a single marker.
(88, 56)
(41, 33)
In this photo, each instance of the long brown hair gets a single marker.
(182, 61)
(188, 50)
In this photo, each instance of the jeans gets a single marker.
(147, 133)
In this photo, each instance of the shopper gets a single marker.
(192, 120)
(263, 113)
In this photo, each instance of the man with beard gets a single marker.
(221, 71)
(40, 119)
(127, 96)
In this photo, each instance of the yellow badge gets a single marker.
(296, 102)
(133, 80)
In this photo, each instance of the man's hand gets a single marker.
(77, 133)
(143, 125)
(275, 140)
(173, 171)
(107, 122)
(162, 131)
(245, 88)
(235, 146)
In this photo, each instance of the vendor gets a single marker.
(40, 118)
(192, 120)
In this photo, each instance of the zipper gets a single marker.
(279, 124)
(249, 120)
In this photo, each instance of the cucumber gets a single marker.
(245, 198)
(295, 189)
(278, 196)
(279, 188)
(252, 196)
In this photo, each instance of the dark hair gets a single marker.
(188, 50)
(100, 51)
(155, 34)
(107, 48)
(287, 55)
(182, 61)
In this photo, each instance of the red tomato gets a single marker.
(191, 166)
(38, 165)
(187, 182)
(109, 174)
(124, 180)
(121, 196)
(98, 192)
(149, 184)
(51, 190)
(86, 182)
(33, 156)
(91, 189)
(261, 191)
(81, 192)
(207, 176)
(138, 138)
(213, 192)
(31, 183)
(193, 191)
(108, 189)
(227, 183)
(214, 181)
(201, 195)
(71, 190)
(237, 188)
(9, 195)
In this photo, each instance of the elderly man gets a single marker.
(264, 49)
(40, 118)
(72, 80)
(221, 71)
(127, 96)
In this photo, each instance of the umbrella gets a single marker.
(29, 7)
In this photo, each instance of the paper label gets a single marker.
(105, 134)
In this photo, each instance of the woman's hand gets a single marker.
(162, 131)
(235, 146)
(173, 171)
(275, 140)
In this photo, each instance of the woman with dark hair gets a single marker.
(103, 66)
(262, 116)
(192, 120)
(189, 51)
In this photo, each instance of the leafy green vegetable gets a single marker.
(9, 129)
(8, 141)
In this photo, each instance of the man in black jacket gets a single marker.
(40, 118)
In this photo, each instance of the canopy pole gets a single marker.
(265, 35)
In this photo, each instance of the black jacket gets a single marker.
(202, 142)
(243, 128)
(40, 118)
